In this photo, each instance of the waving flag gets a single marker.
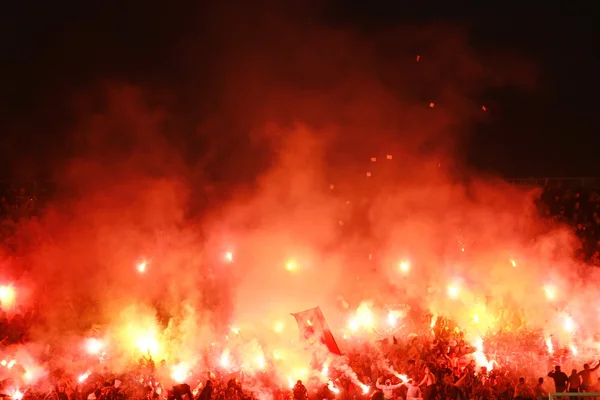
(313, 328)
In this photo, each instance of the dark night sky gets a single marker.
(53, 49)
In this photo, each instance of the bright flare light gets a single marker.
(93, 346)
(573, 349)
(83, 377)
(224, 361)
(332, 388)
(513, 263)
(453, 291)
(291, 265)
(568, 324)
(549, 345)
(180, 372)
(550, 292)
(229, 256)
(278, 327)
(7, 296)
(363, 318)
(17, 395)
(404, 266)
(148, 343)
(141, 267)
(392, 318)
(260, 361)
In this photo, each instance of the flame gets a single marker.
(260, 361)
(479, 356)
(453, 291)
(404, 266)
(332, 387)
(17, 395)
(229, 256)
(513, 263)
(83, 377)
(224, 361)
(569, 324)
(363, 318)
(434, 318)
(573, 349)
(549, 345)
(550, 292)
(7, 296)
(180, 372)
(148, 343)
(93, 346)
(141, 267)
(291, 265)
(392, 318)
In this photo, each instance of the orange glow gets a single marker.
(93, 346)
(7, 296)
(453, 291)
(550, 292)
(404, 266)
(141, 267)
(180, 373)
(291, 265)
(229, 256)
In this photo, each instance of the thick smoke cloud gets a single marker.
(329, 158)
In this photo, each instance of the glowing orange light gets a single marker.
(224, 361)
(404, 266)
(148, 343)
(550, 292)
(476, 318)
(83, 377)
(332, 388)
(141, 267)
(17, 395)
(453, 291)
(229, 256)
(392, 318)
(93, 346)
(291, 265)
(573, 349)
(7, 296)
(278, 327)
(434, 318)
(260, 361)
(179, 373)
(549, 345)
(569, 324)
(513, 263)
